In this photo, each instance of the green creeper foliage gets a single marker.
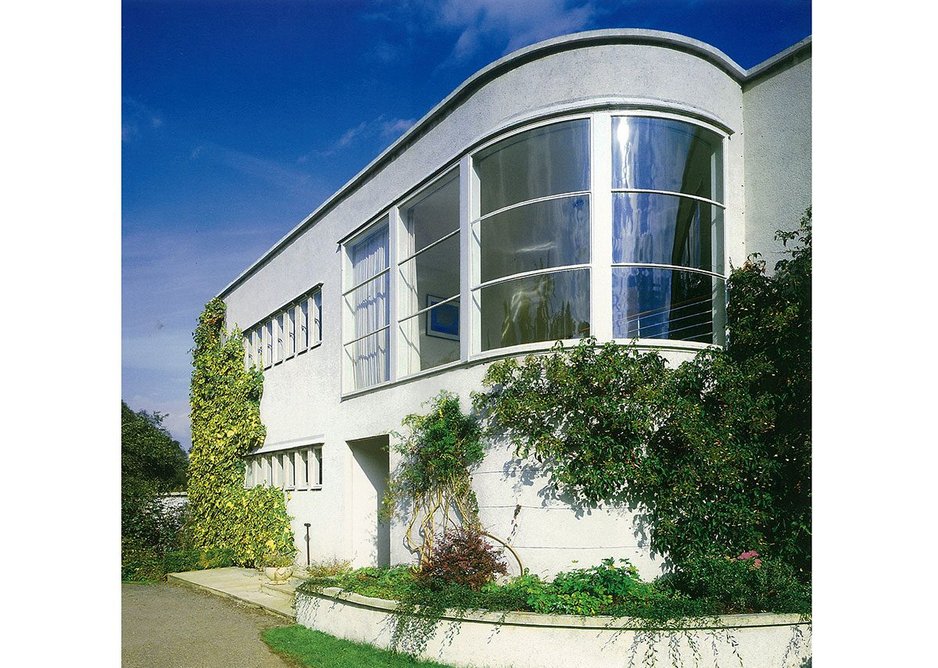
(432, 481)
(716, 452)
(226, 425)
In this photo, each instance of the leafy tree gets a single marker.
(150, 456)
(151, 463)
(716, 451)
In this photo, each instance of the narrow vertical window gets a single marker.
(268, 344)
(289, 471)
(366, 300)
(248, 351)
(279, 345)
(315, 310)
(430, 277)
(289, 336)
(304, 468)
(257, 338)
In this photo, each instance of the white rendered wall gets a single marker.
(303, 401)
(778, 156)
(528, 640)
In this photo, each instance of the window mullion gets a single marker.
(469, 335)
(394, 276)
(601, 227)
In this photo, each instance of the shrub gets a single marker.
(328, 568)
(139, 562)
(155, 525)
(463, 557)
(179, 561)
(745, 583)
(715, 452)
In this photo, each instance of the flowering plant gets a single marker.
(751, 554)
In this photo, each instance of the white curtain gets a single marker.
(370, 354)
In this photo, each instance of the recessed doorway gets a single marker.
(371, 536)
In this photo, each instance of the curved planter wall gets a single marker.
(530, 640)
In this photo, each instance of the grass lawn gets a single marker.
(318, 650)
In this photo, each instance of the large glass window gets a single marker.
(667, 231)
(546, 226)
(430, 277)
(537, 163)
(366, 299)
(534, 227)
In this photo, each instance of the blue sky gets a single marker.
(240, 118)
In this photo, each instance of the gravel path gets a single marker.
(169, 626)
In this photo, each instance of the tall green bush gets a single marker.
(226, 425)
(716, 451)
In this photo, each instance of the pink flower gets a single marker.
(749, 555)
(756, 563)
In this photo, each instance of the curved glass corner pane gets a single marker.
(663, 154)
(535, 236)
(549, 160)
(548, 307)
(667, 229)
(650, 303)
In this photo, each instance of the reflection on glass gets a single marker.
(369, 357)
(548, 307)
(661, 154)
(535, 236)
(434, 272)
(431, 338)
(666, 229)
(432, 214)
(666, 304)
(545, 161)
(431, 275)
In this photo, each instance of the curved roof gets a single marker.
(516, 59)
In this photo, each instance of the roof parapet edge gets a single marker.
(489, 72)
(789, 56)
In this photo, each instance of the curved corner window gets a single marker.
(367, 305)
(537, 163)
(667, 231)
(533, 236)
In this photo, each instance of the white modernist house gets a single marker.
(602, 183)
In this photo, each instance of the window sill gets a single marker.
(645, 345)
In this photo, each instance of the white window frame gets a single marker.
(600, 266)
(389, 220)
(294, 469)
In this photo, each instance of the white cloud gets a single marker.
(136, 117)
(501, 24)
(269, 171)
(383, 128)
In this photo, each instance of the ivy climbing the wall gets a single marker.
(226, 425)
(432, 484)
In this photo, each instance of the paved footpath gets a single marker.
(171, 626)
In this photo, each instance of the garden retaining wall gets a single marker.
(530, 640)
